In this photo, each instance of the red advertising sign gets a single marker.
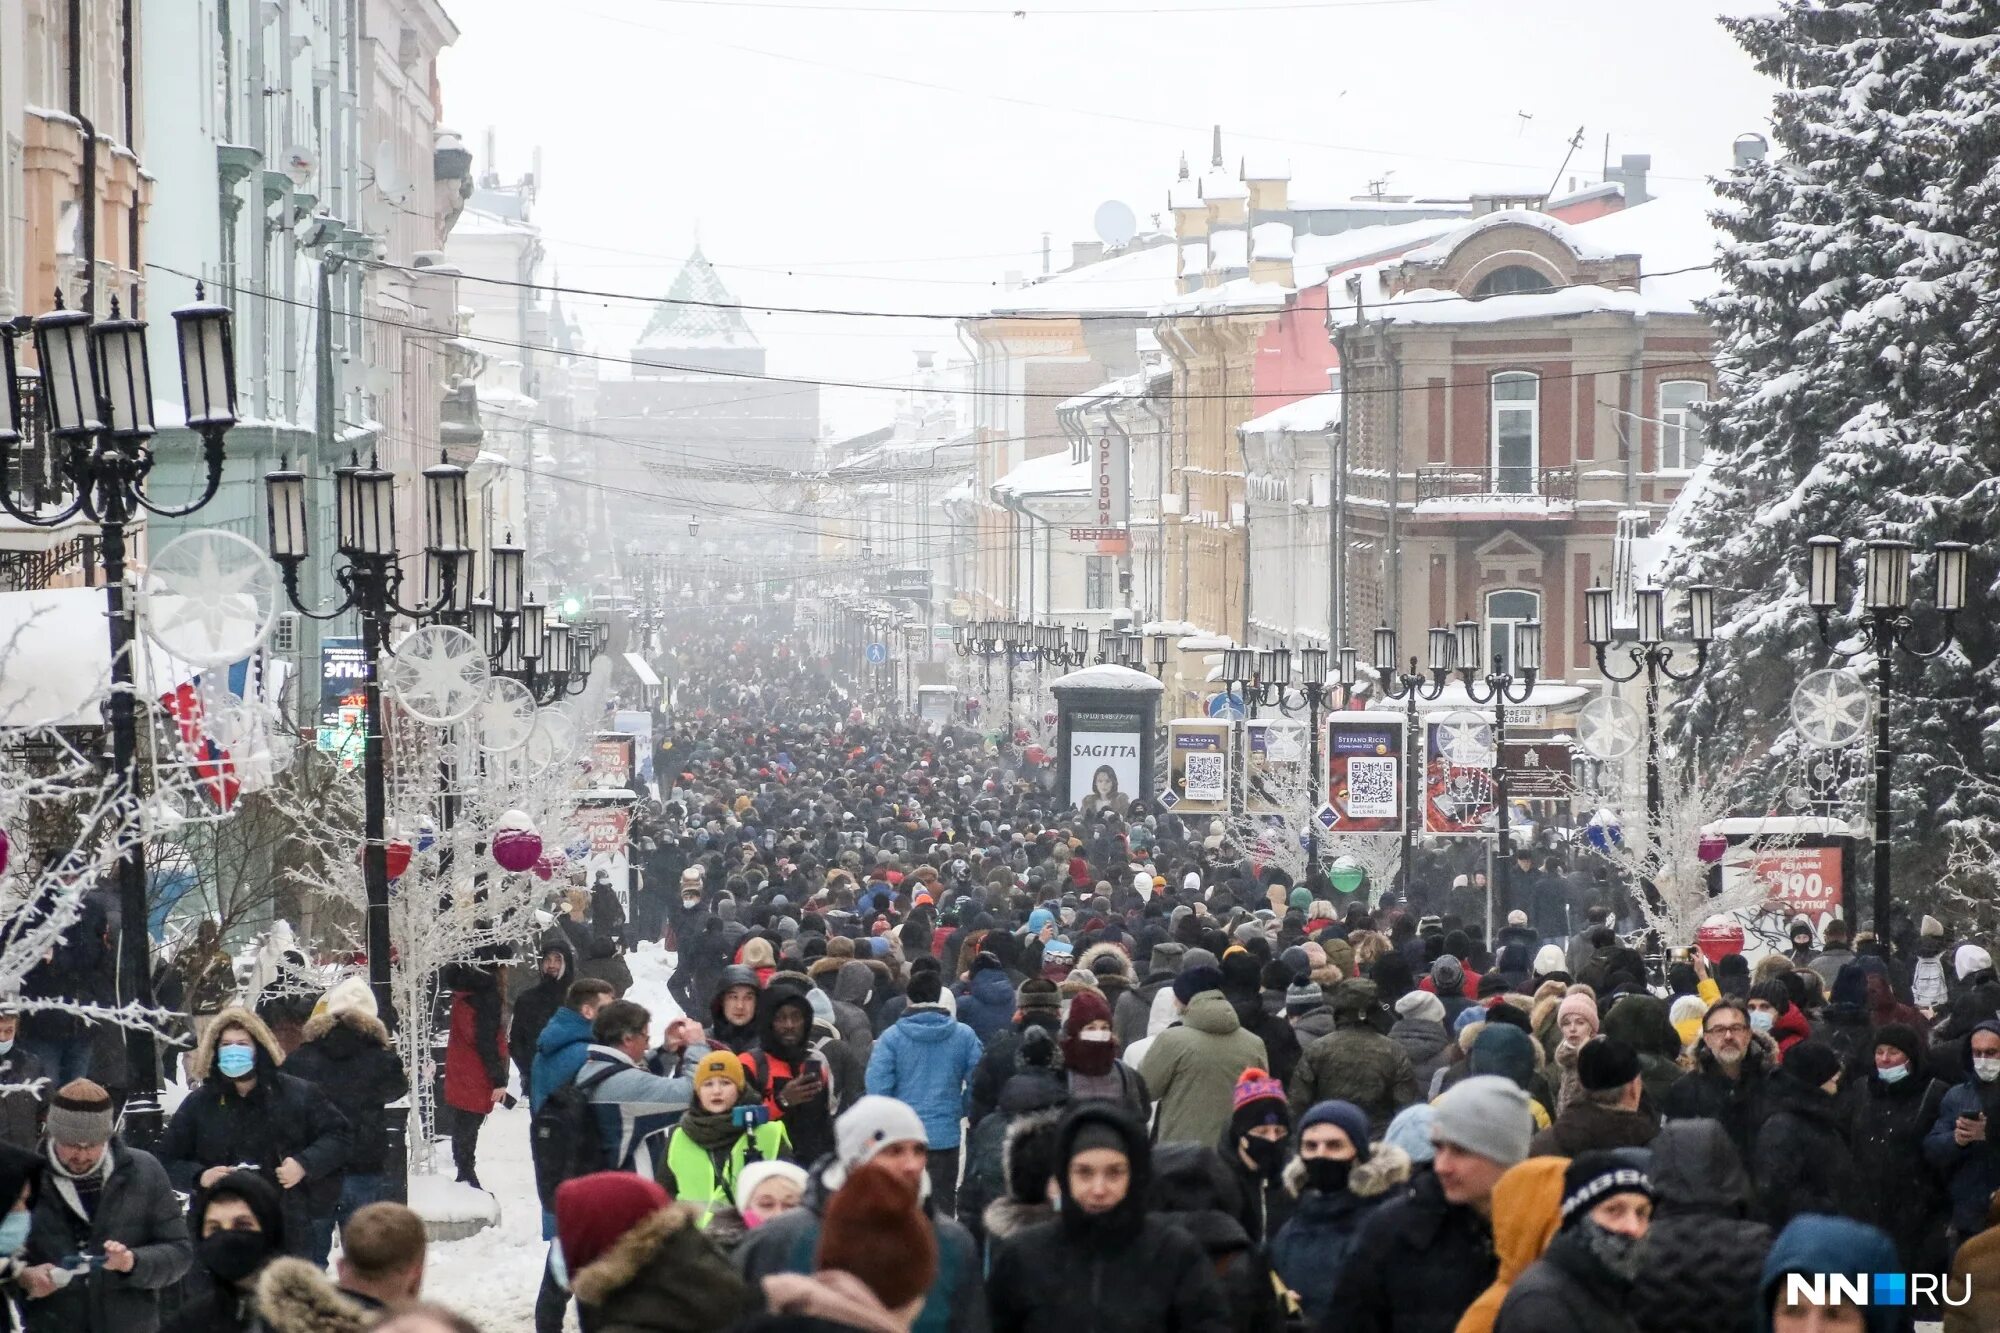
(1364, 776)
(1804, 881)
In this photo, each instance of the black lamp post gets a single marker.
(372, 581)
(97, 383)
(1653, 656)
(1886, 627)
(1499, 687)
(1413, 687)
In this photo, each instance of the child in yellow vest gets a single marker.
(724, 1131)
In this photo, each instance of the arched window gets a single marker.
(1516, 430)
(1506, 609)
(1683, 434)
(1510, 280)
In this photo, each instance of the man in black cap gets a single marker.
(1606, 1113)
(1583, 1281)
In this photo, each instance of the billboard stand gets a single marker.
(1105, 716)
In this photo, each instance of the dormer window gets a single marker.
(1511, 280)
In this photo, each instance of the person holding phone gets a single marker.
(790, 1073)
(1960, 1143)
(725, 1130)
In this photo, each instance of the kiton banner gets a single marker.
(1364, 772)
(1198, 766)
(1103, 761)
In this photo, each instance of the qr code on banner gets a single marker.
(1371, 788)
(1207, 778)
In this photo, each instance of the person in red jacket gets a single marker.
(475, 1062)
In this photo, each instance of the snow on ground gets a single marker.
(492, 1277)
(440, 1199)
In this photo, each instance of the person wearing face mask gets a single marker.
(239, 1227)
(1104, 1264)
(1090, 1059)
(245, 1113)
(1773, 1013)
(1894, 1187)
(1959, 1145)
(1254, 1148)
(765, 1191)
(1338, 1180)
(20, 1184)
(1582, 1281)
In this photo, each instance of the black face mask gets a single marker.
(234, 1255)
(1267, 1155)
(1326, 1175)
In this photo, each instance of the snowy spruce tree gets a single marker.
(1859, 350)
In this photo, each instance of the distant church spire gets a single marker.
(1215, 152)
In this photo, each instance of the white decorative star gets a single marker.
(1830, 708)
(439, 673)
(210, 597)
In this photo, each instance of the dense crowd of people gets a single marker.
(954, 1057)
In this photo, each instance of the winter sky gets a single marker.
(906, 155)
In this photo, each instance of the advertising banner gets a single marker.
(1458, 776)
(1538, 770)
(1198, 767)
(1364, 772)
(937, 704)
(343, 678)
(612, 756)
(1274, 767)
(639, 726)
(597, 839)
(1806, 881)
(1104, 760)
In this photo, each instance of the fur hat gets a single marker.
(874, 1230)
(1605, 1063)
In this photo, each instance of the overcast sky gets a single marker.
(905, 155)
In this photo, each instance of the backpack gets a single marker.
(564, 1136)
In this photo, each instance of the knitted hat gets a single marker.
(874, 1229)
(1194, 980)
(719, 1064)
(1038, 995)
(1812, 1063)
(1421, 1006)
(594, 1211)
(1605, 1063)
(1596, 1175)
(1448, 975)
(1350, 1119)
(868, 1126)
(1258, 1099)
(1579, 1004)
(1550, 958)
(1932, 927)
(755, 1174)
(1085, 1008)
(1300, 898)
(1517, 917)
(1303, 996)
(1485, 1115)
(1411, 1131)
(80, 1114)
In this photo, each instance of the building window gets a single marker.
(1096, 582)
(1505, 610)
(1683, 433)
(1511, 280)
(1517, 419)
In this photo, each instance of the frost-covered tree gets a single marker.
(1859, 349)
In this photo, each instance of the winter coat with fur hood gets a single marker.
(1311, 1248)
(281, 1117)
(349, 1059)
(294, 1296)
(662, 1276)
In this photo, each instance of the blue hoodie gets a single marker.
(986, 1005)
(559, 1053)
(1815, 1243)
(923, 1061)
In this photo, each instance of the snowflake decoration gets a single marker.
(1831, 708)
(1466, 741)
(210, 597)
(438, 673)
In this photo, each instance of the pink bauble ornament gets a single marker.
(1712, 847)
(515, 843)
(6, 850)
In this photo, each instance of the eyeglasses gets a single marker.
(1730, 1030)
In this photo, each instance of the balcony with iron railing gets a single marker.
(1513, 490)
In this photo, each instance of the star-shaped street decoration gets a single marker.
(210, 597)
(1831, 708)
(439, 673)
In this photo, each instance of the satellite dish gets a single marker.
(1115, 223)
(388, 172)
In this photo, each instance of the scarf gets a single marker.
(712, 1131)
(1090, 1058)
(72, 1186)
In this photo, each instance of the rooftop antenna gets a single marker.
(1575, 142)
(1215, 150)
(1522, 118)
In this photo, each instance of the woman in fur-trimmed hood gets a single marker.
(283, 1126)
(638, 1262)
(347, 1056)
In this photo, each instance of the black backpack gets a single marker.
(564, 1136)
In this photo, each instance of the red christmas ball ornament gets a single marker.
(1712, 847)
(399, 852)
(515, 843)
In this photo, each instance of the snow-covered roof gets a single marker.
(1108, 676)
(1571, 236)
(1051, 474)
(1317, 413)
(479, 222)
(1313, 258)
(1134, 385)
(697, 311)
(1135, 283)
(1544, 695)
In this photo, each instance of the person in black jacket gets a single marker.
(238, 1227)
(1704, 1258)
(1800, 1164)
(536, 1003)
(347, 1056)
(1192, 1189)
(245, 1113)
(73, 970)
(1104, 1264)
(1582, 1282)
(1894, 1185)
(1733, 1065)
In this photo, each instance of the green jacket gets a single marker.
(688, 1171)
(1191, 1070)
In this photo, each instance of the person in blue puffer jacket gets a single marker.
(924, 1060)
(559, 1053)
(986, 1004)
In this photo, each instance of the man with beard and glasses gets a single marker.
(1104, 1264)
(1583, 1281)
(1732, 1068)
